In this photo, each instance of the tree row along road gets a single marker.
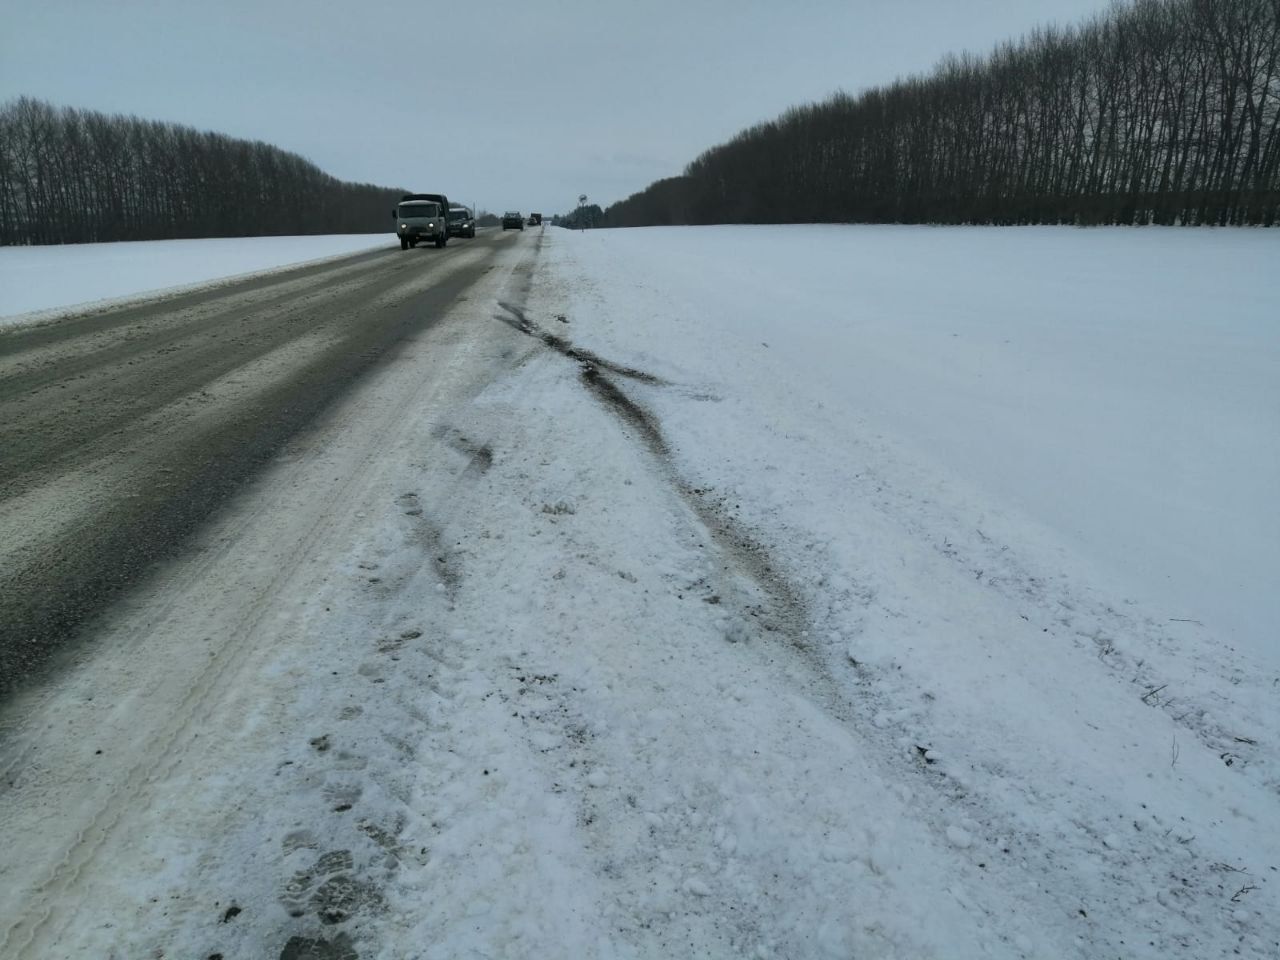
(122, 430)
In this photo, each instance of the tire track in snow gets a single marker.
(786, 612)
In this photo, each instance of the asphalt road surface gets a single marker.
(123, 430)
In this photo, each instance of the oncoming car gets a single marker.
(461, 222)
(512, 220)
(420, 217)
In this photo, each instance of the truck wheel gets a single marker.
(440, 242)
(404, 244)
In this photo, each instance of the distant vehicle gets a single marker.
(511, 220)
(461, 222)
(535, 219)
(421, 217)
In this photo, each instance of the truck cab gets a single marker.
(422, 217)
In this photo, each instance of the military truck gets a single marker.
(422, 217)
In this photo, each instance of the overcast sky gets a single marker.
(507, 104)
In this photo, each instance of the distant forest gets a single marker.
(77, 176)
(1159, 111)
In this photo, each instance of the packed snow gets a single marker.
(35, 280)
(807, 592)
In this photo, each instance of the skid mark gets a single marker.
(515, 317)
(778, 607)
(785, 611)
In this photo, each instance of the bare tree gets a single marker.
(72, 176)
(1161, 111)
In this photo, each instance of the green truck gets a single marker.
(422, 218)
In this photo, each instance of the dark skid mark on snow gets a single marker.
(787, 613)
(631, 413)
(515, 318)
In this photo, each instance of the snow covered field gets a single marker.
(1117, 391)
(36, 279)
(806, 592)
(1027, 480)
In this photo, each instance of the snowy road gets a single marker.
(124, 429)
(216, 383)
(598, 620)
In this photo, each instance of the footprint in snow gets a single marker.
(297, 892)
(298, 840)
(330, 890)
(307, 948)
(342, 796)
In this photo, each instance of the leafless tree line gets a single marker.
(1159, 111)
(75, 176)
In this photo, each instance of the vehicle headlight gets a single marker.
(404, 226)
(430, 226)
